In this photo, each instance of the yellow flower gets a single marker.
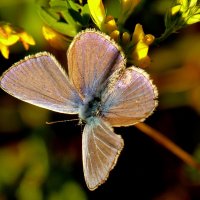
(189, 10)
(110, 24)
(125, 38)
(115, 35)
(4, 50)
(26, 39)
(107, 18)
(141, 42)
(175, 9)
(56, 39)
(97, 12)
(9, 35)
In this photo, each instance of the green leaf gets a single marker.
(62, 7)
(74, 5)
(76, 15)
(47, 15)
(66, 29)
(113, 9)
(59, 4)
(68, 17)
(85, 14)
(52, 20)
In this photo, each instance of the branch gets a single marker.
(168, 144)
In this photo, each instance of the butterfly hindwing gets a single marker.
(130, 98)
(100, 148)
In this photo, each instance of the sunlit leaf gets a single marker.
(97, 12)
(62, 6)
(55, 39)
(53, 22)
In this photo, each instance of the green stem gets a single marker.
(165, 35)
(172, 28)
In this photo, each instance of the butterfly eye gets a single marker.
(97, 100)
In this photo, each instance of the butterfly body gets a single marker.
(98, 87)
(91, 108)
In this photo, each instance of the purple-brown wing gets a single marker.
(100, 148)
(40, 80)
(92, 57)
(129, 98)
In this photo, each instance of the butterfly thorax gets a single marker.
(91, 108)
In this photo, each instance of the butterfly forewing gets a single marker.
(100, 148)
(130, 98)
(92, 57)
(41, 81)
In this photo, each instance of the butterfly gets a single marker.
(98, 87)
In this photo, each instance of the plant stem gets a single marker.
(163, 37)
(168, 144)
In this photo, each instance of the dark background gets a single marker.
(40, 161)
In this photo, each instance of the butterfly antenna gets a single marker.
(67, 120)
